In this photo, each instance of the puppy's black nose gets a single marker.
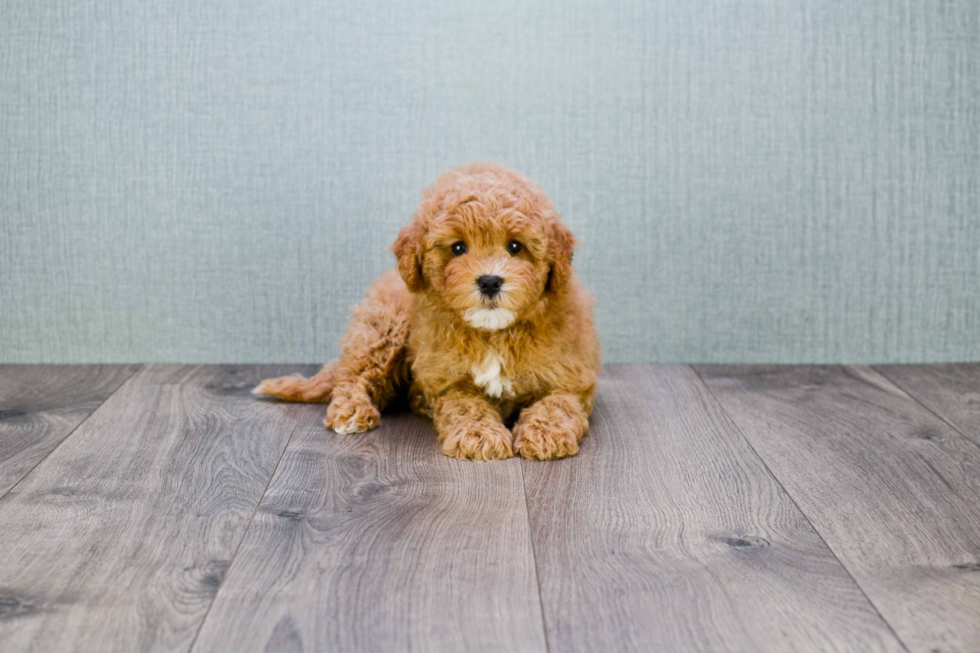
(489, 284)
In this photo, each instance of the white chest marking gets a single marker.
(488, 376)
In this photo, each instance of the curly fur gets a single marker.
(471, 362)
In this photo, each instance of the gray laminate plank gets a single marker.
(119, 539)
(894, 490)
(40, 405)
(378, 542)
(952, 391)
(667, 533)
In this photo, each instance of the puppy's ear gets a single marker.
(561, 244)
(408, 250)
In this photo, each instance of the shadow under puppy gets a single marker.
(482, 322)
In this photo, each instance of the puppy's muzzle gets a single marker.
(489, 285)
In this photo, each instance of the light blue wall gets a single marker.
(751, 180)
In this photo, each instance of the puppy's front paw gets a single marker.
(479, 441)
(352, 414)
(539, 439)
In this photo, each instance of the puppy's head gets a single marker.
(486, 243)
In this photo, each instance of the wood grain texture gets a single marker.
(41, 404)
(667, 533)
(951, 391)
(378, 542)
(121, 537)
(894, 490)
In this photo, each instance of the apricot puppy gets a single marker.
(482, 323)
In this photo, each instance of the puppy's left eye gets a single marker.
(514, 247)
(458, 249)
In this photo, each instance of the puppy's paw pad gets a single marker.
(542, 441)
(479, 442)
(348, 415)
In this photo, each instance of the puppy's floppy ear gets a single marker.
(408, 250)
(561, 244)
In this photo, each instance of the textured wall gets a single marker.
(751, 180)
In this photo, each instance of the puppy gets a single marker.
(483, 322)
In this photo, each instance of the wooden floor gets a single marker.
(711, 509)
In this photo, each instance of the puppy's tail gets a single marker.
(318, 389)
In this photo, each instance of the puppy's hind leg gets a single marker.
(371, 369)
(374, 365)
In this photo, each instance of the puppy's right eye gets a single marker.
(458, 249)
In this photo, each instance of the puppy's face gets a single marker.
(488, 258)
(489, 269)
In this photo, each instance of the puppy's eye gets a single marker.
(458, 249)
(514, 247)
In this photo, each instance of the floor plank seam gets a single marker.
(911, 396)
(800, 509)
(72, 432)
(534, 557)
(234, 555)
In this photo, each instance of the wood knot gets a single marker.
(230, 389)
(927, 433)
(11, 607)
(745, 542)
(969, 566)
(291, 515)
(214, 574)
(371, 490)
